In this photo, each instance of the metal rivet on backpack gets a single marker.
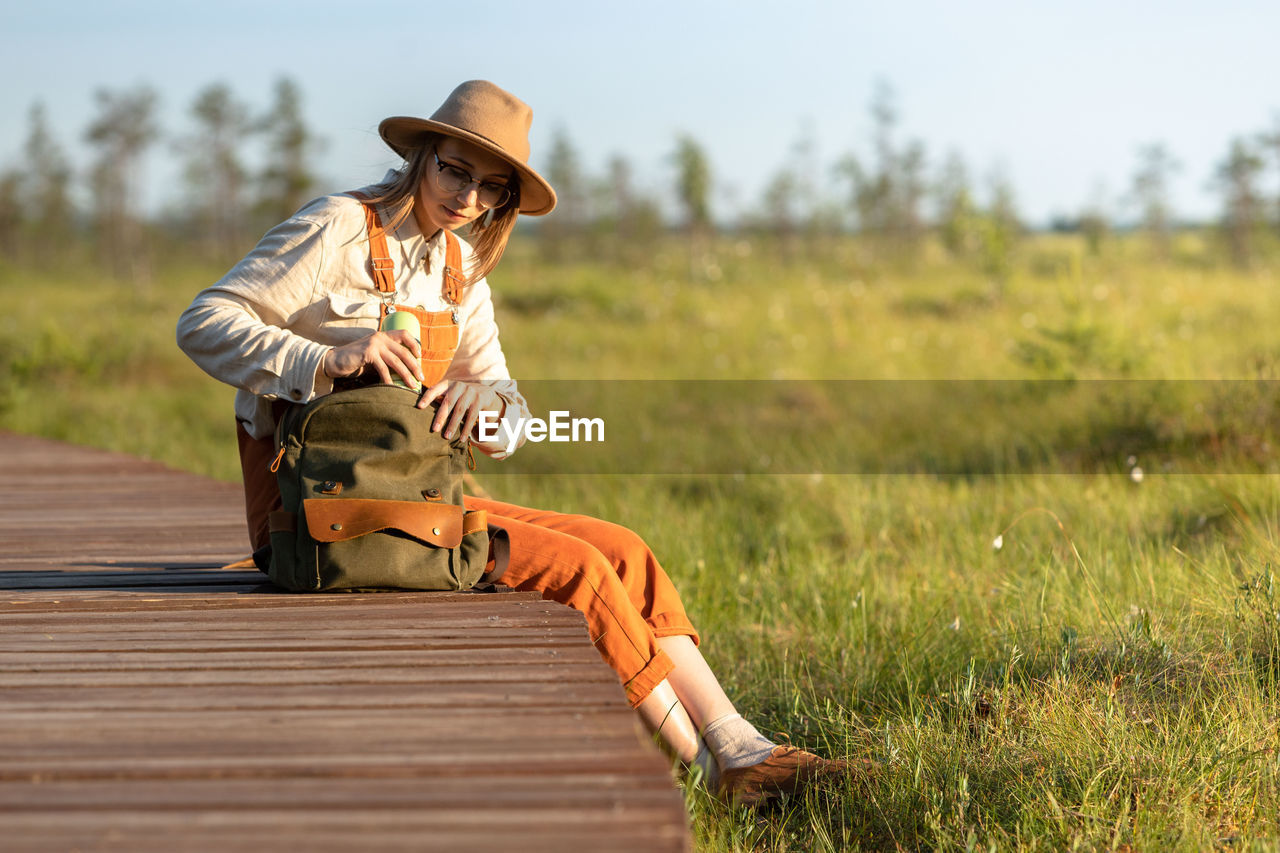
(436, 531)
(433, 493)
(330, 484)
(335, 526)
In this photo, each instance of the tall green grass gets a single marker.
(1105, 679)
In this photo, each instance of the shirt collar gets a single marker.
(410, 237)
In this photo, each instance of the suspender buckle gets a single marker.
(383, 263)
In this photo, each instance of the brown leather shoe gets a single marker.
(787, 770)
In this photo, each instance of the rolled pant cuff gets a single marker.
(643, 682)
(665, 625)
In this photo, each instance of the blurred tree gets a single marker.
(46, 194)
(887, 199)
(859, 199)
(630, 219)
(11, 218)
(874, 198)
(957, 211)
(781, 199)
(807, 210)
(619, 196)
(693, 184)
(1094, 224)
(693, 189)
(560, 230)
(1151, 192)
(780, 215)
(999, 230)
(796, 204)
(287, 181)
(215, 174)
(121, 132)
(1271, 143)
(1237, 176)
(909, 192)
(615, 201)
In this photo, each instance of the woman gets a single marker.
(301, 312)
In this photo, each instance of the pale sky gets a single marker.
(1057, 95)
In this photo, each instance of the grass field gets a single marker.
(1046, 643)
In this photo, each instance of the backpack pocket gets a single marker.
(362, 543)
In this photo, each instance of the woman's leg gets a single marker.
(647, 587)
(565, 568)
(650, 592)
(261, 494)
(555, 553)
(752, 768)
(609, 573)
(664, 716)
(694, 682)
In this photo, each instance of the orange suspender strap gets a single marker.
(383, 269)
(454, 281)
(381, 265)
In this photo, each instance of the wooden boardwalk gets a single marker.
(150, 700)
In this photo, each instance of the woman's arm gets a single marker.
(267, 326)
(240, 330)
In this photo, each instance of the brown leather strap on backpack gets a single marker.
(499, 554)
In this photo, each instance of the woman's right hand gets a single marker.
(385, 352)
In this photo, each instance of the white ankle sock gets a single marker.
(735, 742)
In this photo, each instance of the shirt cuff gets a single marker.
(305, 379)
(322, 384)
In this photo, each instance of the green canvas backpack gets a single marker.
(372, 498)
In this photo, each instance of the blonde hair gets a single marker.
(487, 235)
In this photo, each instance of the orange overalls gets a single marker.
(602, 569)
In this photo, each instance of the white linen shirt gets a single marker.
(306, 288)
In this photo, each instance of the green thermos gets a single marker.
(396, 320)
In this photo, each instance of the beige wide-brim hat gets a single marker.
(484, 115)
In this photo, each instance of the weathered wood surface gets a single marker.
(151, 700)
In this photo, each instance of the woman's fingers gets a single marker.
(405, 356)
(429, 396)
(459, 407)
(408, 341)
(381, 369)
(384, 352)
(473, 415)
(463, 408)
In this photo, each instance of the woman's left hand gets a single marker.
(460, 405)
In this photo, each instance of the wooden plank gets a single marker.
(180, 640)
(495, 673)
(313, 660)
(479, 829)
(151, 700)
(88, 578)
(313, 735)
(204, 598)
(224, 698)
(322, 612)
(424, 608)
(549, 790)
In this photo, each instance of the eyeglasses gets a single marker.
(452, 179)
